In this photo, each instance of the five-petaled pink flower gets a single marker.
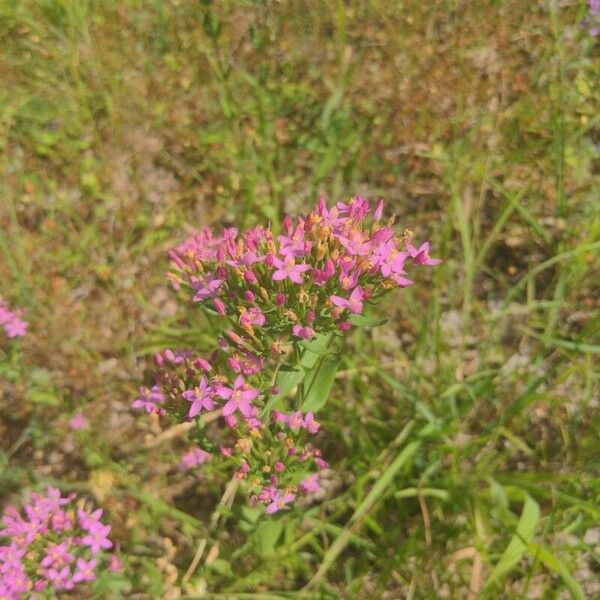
(353, 304)
(421, 256)
(200, 397)
(238, 398)
(288, 269)
(85, 570)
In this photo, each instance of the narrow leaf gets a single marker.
(518, 544)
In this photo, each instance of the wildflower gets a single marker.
(279, 501)
(421, 256)
(114, 564)
(200, 397)
(149, 398)
(11, 323)
(310, 424)
(207, 289)
(78, 422)
(97, 538)
(252, 317)
(310, 484)
(238, 397)
(85, 570)
(288, 269)
(303, 332)
(354, 303)
(193, 458)
(62, 551)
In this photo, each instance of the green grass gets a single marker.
(463, 434)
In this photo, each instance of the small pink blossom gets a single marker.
(78, 422)
(303, 332)
(200, 397)
(238, 398)
(354, 303)
(288, 269)
(421, 255)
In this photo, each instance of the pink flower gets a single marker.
(220, 306)
(421, 255)
(238, 398)
(149, 398)
(310, 424)
(354, 303)
(294, 246)
(114, 564)
(10, 321)
(305, 333)
(322, 276)
(78, 422)
(288, 269)
(253, 317)
(57, 555)
(207, 288)
(85, 570)
(345, 326)
(378, 211)
(279, 501)
(97, 538)
(310, 485)
(280, 299)
(193, 458)
(200, 397)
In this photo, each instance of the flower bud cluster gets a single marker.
(53, 545)
(276, 293)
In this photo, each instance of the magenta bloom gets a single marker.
(288, 269)
(85, 570)
(207, 288)
(48, 549)
(61, 579)
(238, 398)
(295, 246)
(58, 555)
(200, 397)
(253, 317)
(310, 485)
(193, 458)
(149, 398)
(10, 321)
(305, 333)
(279, 500)
(310, 424)
(421, 256)
(353, 304)
(78, 422)
(97, 538)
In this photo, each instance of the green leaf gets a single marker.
(287, 379)
(366, 321)
(518, 544)
(371, 500)
(266, 536)
(42, 397)
(318, 346)
(544, 554)
(318, 382)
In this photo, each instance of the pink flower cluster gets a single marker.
(324, 268)
(11, 322)
(52, 546)
(278, 295)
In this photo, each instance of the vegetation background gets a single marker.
(464, 434)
